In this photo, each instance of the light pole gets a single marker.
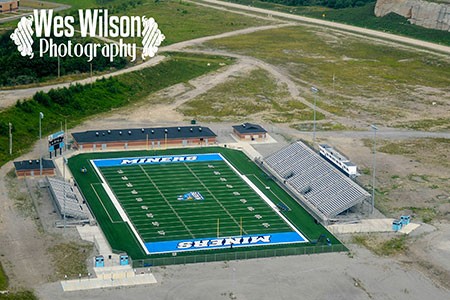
(10, 138)
(314, 90)
(41, 116)
(334, 79)
(64, 177)
(165, 138)
(374, 128)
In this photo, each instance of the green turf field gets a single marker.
(148, 195)
(161, 185)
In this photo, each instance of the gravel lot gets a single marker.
(326, 276)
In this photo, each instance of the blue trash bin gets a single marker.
(99, 261)
(405, 220)
(124, 261)
(396, 225)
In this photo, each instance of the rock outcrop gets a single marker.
(418, 12)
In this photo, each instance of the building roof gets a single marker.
(249, 128)
(338, 155)
(28, 165)
(140, 134)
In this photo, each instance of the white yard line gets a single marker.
(167, 201)
(217, 200)
(119, 208)
(100, 199)
(264, 197)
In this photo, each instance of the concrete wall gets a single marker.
(418, 12)
(28, 173)
(151, 144)
(249, 136)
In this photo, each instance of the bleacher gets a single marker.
(67, 205)
(324, 190)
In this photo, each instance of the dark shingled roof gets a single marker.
(249, 128)
(33, 164)
(140, 134)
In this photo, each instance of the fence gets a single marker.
(235, 255)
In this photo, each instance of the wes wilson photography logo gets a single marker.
(93, 23)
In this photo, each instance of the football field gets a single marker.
(179, 203)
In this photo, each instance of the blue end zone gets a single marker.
(127, 161)
(224, 242)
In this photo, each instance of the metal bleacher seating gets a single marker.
(318, 184)
(65, 199)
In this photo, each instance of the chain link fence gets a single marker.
(235, 255)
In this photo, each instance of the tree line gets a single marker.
(18, 70)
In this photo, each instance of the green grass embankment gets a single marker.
(78, 102)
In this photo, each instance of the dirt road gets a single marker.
(10, 97)
(334, 25)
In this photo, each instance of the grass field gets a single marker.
(160, 217)
(100, 96)
(248, 95)
(361, 16)
(373, 81)
(178, 20)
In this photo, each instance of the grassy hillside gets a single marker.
(178, 20)
(362, 16)
(78, 102)
(373, 82)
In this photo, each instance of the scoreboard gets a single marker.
(55, 142)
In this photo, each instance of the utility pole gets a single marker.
(65, 134)
(334, 79)
(64, 178)
(41, 116)
(10, 138)
(374, 128)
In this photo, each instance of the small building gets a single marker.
(8, 5)
(249, 131)
(338, 160)
(32, 168)
(150, 138)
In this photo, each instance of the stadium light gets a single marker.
(374, 128)
(314, 90)
(41, 116)
(10, 138)
(64, 177)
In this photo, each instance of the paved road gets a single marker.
(364, 31)
(385, 133)
(10, 97)
(15, 17)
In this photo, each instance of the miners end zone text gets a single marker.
(203, 243)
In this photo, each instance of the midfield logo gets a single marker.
(95, 23)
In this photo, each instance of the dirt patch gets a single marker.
(23, 245)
